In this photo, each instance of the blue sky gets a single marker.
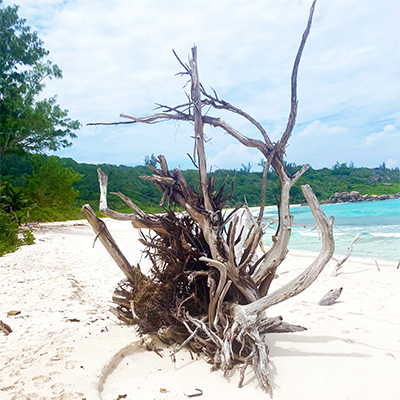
(116, 57)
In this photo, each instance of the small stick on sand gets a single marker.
(5, 328)
(200, 393)
(344, 259)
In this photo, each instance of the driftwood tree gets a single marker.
(209, 288)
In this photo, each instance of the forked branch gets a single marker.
(306, 278)
(139, 219)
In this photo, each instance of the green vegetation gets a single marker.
(50, 188)
(28, 125)
(10, 237)
(9, 241)
(325, 182)
(342, 178)
(46, 188)
(63, 185)
(40, 186)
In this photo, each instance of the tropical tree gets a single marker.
(12, 199)
(28, 125)
(9, 241)
(50, 185)
(151, 160)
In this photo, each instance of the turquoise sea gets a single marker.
(378, 223)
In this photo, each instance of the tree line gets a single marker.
(55, 188)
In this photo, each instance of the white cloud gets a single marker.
(233, 156)
(382, 145)
(321, 130)
(391, 163)
(389, 136)
(116, 57)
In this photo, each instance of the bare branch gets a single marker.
(265, 272)
(187, 69)
(101, 231)
(216, 122)
(131, 204)
(198, 129)
(344, 259)
(299, 173)
(162, 180)
(215, 102)
(137, 221)
(151, 119)
(212, 309)
(110, 123)
(231, 240)
(193, 161)
(306, 278)
(264, 186)
(258, 144)
(293, 108)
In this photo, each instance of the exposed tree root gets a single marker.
(209, 288)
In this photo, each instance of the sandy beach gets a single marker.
(66, 344)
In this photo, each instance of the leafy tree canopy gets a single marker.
(151, 160)
(51, 183)
(28, 125)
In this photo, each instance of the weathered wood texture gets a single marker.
(330, 297)
(210, 286)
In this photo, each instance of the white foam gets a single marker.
(386, 234)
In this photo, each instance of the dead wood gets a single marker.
(340, 262)
(101, 231)
(306, 278)
(5, 328)
(330, 297)
(209, 286)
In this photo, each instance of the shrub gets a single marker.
(10, 240)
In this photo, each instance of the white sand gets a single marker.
(66, 344)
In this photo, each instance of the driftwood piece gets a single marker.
(139, 218)
(101, 231)
(330, 297)
(5, 328)
(198, 394)
(13, 313)
(208, 288)
(305, 279)
(340, 262)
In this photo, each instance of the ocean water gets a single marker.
(377, 222)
